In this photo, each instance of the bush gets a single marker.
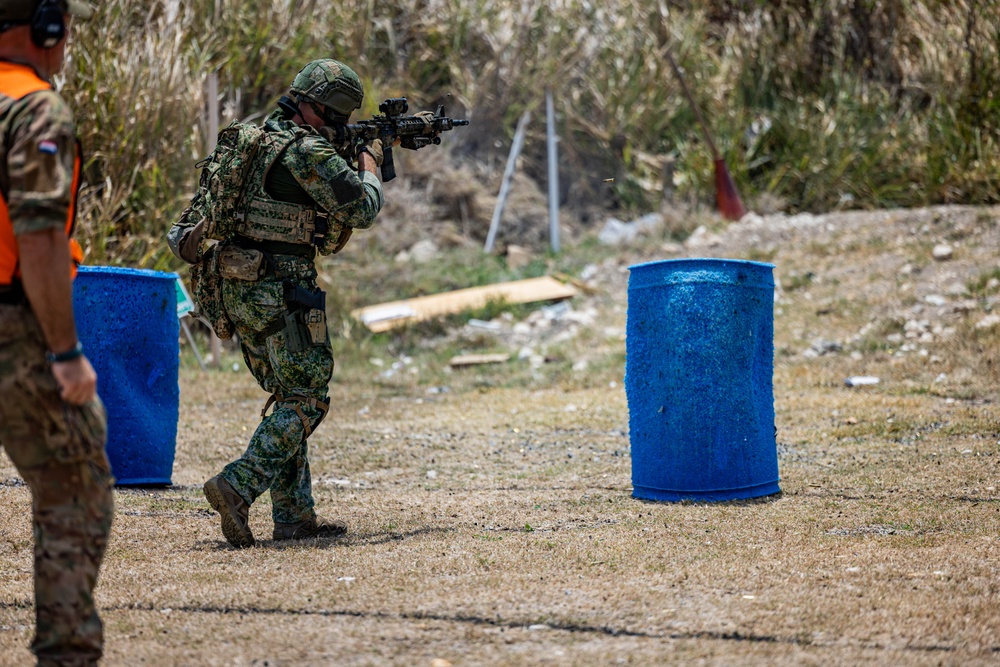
(849, 103)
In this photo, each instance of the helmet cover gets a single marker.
(330, 83)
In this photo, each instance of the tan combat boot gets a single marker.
(234, 510)
(314, 527)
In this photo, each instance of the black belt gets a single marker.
(277, 247)
(12, 295)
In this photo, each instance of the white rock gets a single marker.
(942, 252)
(701, 237)
(616, 232)
(988, 322)
(956, 289)
(423, 251)
(935, 299)
(589, 271)
(648, 223)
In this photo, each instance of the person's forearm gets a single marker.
(367, 163)
(45, 274)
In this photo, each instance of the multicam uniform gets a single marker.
(57, 448)
(299, 185)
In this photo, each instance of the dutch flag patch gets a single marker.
(49, 147)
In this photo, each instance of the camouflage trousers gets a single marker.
(58, 449)
(277, 457)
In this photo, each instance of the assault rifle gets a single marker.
(414, 132)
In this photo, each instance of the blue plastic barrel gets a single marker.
(127, 322)
(698, 378)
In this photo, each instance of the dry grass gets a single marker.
(814, 104)
(877, 552)
(496, 525)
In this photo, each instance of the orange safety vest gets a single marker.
(18, 81)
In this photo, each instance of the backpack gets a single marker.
(219, 201)
(225, 177)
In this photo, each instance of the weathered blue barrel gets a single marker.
(127, 322)
(698, 378)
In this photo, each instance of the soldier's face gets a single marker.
(311, 117)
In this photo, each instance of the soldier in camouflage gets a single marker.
(52, 424)
(302, 199)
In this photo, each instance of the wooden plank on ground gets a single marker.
(385, 316)
(478, 359)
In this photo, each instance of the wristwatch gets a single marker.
(74, 352)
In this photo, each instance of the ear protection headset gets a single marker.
(48, 25)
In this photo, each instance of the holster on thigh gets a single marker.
(295, 402)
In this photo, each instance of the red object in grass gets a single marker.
(726, 194)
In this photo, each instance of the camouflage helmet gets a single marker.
(330, 83)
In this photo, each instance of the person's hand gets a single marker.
(426, 116)
(77, 380)
(374, 147)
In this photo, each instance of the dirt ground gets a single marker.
(494, 525)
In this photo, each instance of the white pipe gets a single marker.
(551, 139)
(508, 174)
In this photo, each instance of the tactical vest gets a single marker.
(265, 219)
(17, 82)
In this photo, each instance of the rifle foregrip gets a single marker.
(388, 167)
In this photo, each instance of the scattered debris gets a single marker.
(821, 346)
(482, 324)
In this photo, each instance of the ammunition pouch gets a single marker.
(206, 289)
(271, 220)
(236, 263)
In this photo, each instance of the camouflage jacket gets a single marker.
(38, 140)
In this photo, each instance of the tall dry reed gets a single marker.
(850, 103)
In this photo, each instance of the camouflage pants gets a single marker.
(277, 457)
(59, 451)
